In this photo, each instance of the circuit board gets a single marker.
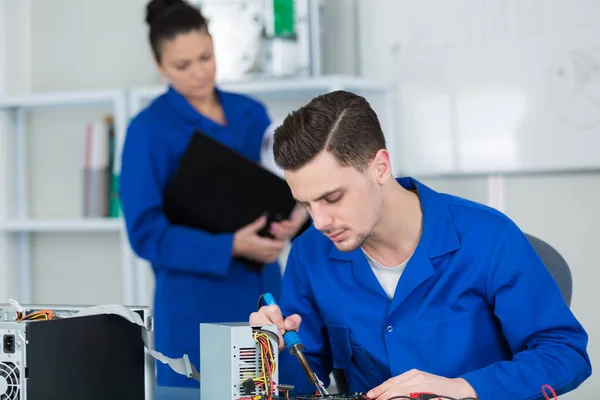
(350, 396)
(314, 397)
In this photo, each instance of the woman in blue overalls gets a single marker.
(197, 276)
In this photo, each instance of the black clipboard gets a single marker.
(218, 190)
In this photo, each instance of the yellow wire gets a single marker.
(266, 352)
(262, 378)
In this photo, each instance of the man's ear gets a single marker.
(382, 165)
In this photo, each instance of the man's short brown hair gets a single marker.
(340, 122)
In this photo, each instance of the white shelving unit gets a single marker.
(64, 225)
(125, 104)
(279, 88)
(20, 223)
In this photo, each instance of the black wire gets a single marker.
(259, 301)
(269, 333)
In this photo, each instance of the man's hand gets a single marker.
(415, 381)
(287, 229)
(271, 315)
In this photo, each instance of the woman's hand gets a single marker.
(248, 243)
(287, 229)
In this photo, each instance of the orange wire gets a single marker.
(38, 315)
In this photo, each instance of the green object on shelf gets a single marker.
(114, 205)
(284, 18)
(113, 187)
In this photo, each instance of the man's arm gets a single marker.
(547, 341)
(297, 298)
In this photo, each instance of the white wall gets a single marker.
(15, 77)
(490, 85)
(340, 32)
(101, 44)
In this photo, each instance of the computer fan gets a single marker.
(9, 381)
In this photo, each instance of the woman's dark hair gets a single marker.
(169, 18)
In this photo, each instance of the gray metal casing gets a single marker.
(228, 356)
(13, 364)
(8, 314)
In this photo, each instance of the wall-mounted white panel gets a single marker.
(495, 85)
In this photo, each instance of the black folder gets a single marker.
(218, 190)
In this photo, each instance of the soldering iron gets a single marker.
(292, 342)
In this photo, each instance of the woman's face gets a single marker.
(188, 63)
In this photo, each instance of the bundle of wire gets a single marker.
(267, 364)
(42, 315)
(267, 369)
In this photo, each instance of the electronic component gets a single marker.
(284, 387)
(46, 353)
(238, 361)
(248, 386)
(350, 396)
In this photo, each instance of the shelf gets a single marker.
(267, 86)
(61, 99)
(281, 87)
(64, 225)
(328, 82)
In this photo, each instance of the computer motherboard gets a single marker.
(350, 396)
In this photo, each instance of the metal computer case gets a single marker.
(229, 355)
(68, 358)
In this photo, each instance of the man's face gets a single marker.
(343, 202)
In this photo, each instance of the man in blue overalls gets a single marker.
(405, 289)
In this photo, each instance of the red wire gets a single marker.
(544, 387)
(271, 385)
(264, 349)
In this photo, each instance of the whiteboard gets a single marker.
(489, 86)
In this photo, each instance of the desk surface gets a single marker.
(175, 393)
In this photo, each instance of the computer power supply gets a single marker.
(93, 357)
(238, 361)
